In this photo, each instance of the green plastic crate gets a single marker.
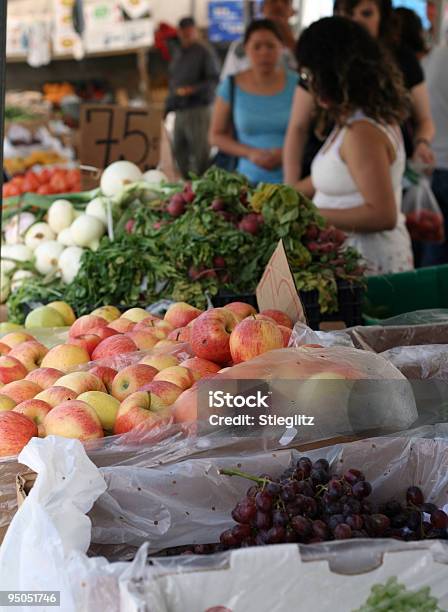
(394, 294)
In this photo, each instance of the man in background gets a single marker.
(193, 76)
(279, 11)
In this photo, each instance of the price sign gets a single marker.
(110, 133)
(277, 288)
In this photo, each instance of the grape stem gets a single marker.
(227, 472)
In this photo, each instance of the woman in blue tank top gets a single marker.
(251, 124)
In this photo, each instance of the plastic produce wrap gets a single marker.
(378, 339)
(48, 336)
(435, 316)
(302, 334)
(40, 552)
(345, 391)
(424, 218)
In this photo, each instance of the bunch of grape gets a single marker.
(308, 504)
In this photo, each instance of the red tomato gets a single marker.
(44, 189)
(73, 177)
(30, 184)
(44, 176)
(10, 190)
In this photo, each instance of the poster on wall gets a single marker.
(226, 19)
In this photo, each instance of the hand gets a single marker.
(187, 90)
(424, 155)
(265, 158)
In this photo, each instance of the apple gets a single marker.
(105, 406)
(6, 327)
(115, 345)
(80, 382)
(150, 322)
(87, 324)
(21, 390)
(31, 353)
(16, 430)
(131, 379)
(4, 349)
(44, 377)
(210, 335)
(73, 419)
(44, 316)
(110, 313)
(164, 326)
(105, 332)
(88, 342)
(185, 408)
(286, 331)
(166, 345)
(11, 369)
(177, 375)
(201, 367)
(14, 338)
(6, 403)
(160, 362)
(65, 310)
(34, 409)
(281, 318)
(181, 313)
(166, 391)
(121, 325)
(253, 337)
(65, 357)
(181, 334)
(141, 408)
(241, 310)
(262, 317)
(145, 340)
(136, 315)
(105, 374)
(56, 395)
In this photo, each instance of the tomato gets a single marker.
(44, 176)
(73, 177)
(18, 180)
(58, 183)
(44, 189)
(30, 184)
(10, 190)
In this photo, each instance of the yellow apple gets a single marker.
(106, 407)
(44, 316)
(110, 313)
(65, 310)
(64, 357)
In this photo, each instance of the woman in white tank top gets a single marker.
(356, 177)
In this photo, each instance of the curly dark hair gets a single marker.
(348, 70)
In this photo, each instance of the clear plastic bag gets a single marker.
(424, 218)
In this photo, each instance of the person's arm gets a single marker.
(306, 187)
(297, 135)
(424, 125)
(220, 135)
(368, 157)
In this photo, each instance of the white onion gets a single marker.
(117, 176)
(38, 233)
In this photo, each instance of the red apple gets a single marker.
(11, 369)
(262, 317)
(30, 353)
(87, 324)
(203, 367)
(121, 325)
(21, 390)
(141, 408)
(89, 342)
(115, 345)
(181, 313)
(53, 396)
(73, 419)
(185, 408)
(286, 331)
(210, 335)
(131, 379)
(253, 337)
(148, 322)
(160, 362)
(81, 382)
(164, 346)
(241, 310)
(165, 390)
(105, 332)
(34, 409)
(16, 430)
(181, 334)
(105, 374)
(4, 349)
(145, 340)
(281, 318)
(44, 377)
(177, 375)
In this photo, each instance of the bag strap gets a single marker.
(232, 102)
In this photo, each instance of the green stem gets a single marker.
(227, 472)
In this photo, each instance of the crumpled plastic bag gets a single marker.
(424, 218)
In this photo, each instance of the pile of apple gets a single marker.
(120, 371)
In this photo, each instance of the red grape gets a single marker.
(264, 501)
(439, 519)
(362, 489)
(414, 496)
(342, 532)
